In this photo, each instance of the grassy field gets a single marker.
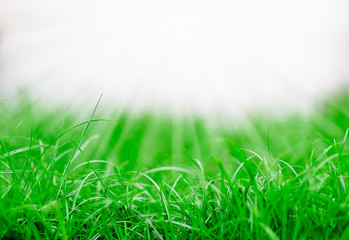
(153, 176)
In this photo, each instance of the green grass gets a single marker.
(150, 176)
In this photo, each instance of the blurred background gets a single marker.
(198, 56)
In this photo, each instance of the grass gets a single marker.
(152, 176)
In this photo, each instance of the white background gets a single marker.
(196, 55)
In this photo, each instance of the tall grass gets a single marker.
(154, 176)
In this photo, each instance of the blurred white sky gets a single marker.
(227, 55)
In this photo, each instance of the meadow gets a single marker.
(148, 175)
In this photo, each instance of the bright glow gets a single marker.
(226, 55)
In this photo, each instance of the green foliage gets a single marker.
(151, 176)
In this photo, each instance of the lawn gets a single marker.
(124, 175)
